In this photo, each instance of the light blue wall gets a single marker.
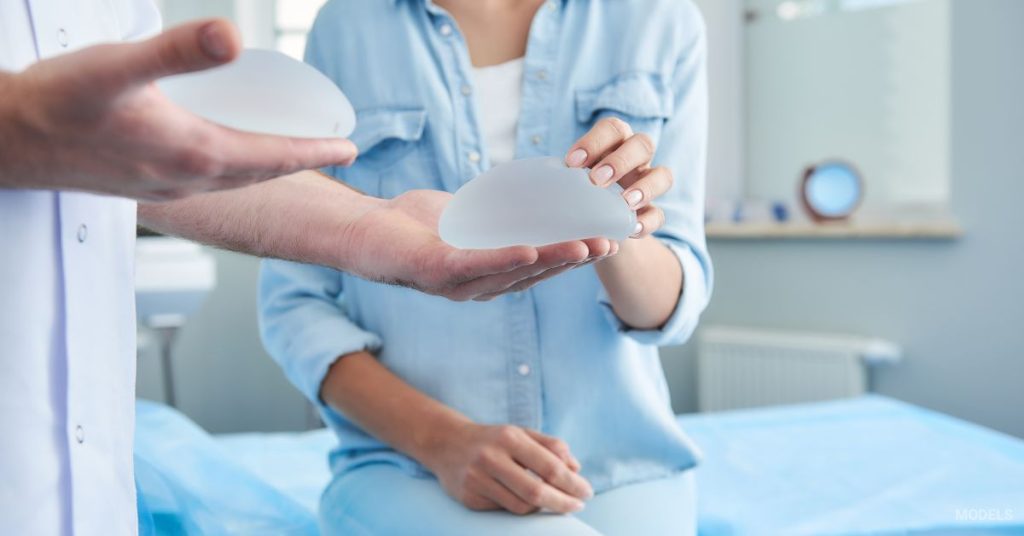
(956, 307)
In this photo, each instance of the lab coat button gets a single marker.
(62, 37)
(536, 140)
(80, 434)
(552, 5)
(524, 369)
(542, 74)
(474, 157)
(83, 233)
(467, 90)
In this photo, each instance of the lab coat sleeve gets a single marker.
(682, 148)
(303, 322)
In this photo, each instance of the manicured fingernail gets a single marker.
(214, 42)
(602, 175)
(634, 197)
(638, 229)
(576, 158)
(576, 506)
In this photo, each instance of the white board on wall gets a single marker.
(864, 81)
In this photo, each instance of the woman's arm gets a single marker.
(483, 467)
(660, 281)
(645, 280)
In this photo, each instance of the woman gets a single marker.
(550, 399)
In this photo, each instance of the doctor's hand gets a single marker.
(510, 468)
(93, 120)
(617, 154)
(398, 243)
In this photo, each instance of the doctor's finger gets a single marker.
(597, 248)
(244, 158)
(190, 47)
(526, 284)
(548, 257)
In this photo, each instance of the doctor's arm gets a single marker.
(311, 218)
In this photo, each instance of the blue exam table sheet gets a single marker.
(870, 465)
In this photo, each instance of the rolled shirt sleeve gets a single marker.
(683, 321)
(683, 149)
(304, 325)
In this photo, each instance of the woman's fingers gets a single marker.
(604, 138)
(533, 490)
(648, 187)
(557, 446)
(495, 492)
(634, 154)
(648, 220)
(545, 464)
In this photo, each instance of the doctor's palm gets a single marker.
(399, 241)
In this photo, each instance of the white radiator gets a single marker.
(740, 368)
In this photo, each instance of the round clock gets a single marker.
(831, 190)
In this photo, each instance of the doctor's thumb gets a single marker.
(193, 46)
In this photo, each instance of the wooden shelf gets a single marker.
(921, 230)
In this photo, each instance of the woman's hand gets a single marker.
(510, 468)
(616, 154)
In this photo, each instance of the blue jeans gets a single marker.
(381, 499)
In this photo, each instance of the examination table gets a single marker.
(870, 465)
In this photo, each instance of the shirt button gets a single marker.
(467, 90)
(523, 369)
(80, 434)
(83, 233)
(474, 157)
(542, 74)
(536, 140)
(62, 37)
(552, 5)
(445, 29)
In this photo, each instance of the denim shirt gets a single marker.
(554, 358)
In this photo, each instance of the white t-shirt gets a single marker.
(67, 320)
(499, 100)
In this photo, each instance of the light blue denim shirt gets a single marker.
(554, 358)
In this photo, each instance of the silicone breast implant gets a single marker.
(534, 202)
(266, 92)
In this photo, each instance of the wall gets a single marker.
(956, 307)
(225, 381)
(725, 73)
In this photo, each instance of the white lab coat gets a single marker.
(67, 323)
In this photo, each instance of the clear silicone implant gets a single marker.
(534, 202)
(266, 92)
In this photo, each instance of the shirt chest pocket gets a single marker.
(395, 153)
(640, 99)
